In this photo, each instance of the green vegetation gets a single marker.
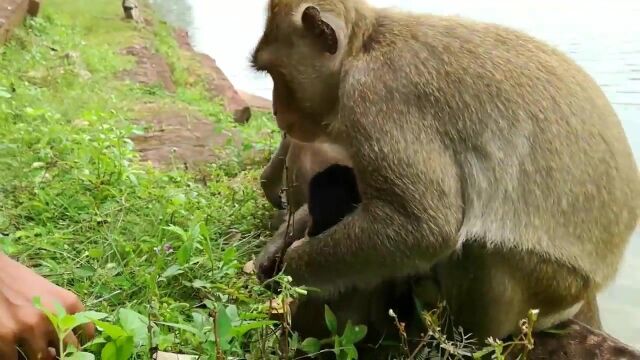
(77, 206)
(156, 255)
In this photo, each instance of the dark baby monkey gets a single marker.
(333, 194)
(480, 153)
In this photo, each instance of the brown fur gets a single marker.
(303, 161)
(363, 307)
(478, 150)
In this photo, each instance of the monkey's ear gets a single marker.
(312, 22)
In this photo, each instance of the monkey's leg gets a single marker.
(589, 313)
(488, 291)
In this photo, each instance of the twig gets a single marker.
(219, 354)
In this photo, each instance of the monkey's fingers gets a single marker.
(268, 269)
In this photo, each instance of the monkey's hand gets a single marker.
(269, 262)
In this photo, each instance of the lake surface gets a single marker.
(604, 39)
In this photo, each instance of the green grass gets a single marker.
(78, 207)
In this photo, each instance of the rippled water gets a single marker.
(603, 38)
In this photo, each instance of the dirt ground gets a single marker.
(179, 137)
(12, 12)
(150, 69)
(182, 137)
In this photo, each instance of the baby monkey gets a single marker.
(333, 194)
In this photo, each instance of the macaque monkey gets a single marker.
(481, 154)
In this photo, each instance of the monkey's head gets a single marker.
(302, 49)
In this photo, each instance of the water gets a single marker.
(604, 39)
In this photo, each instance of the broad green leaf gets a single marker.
(232, 311)
(353, 334)
(172, 271)
(88, 316)
(120, 349)
(134, 324)
(240, 330)
(330, 319)
(224, 329)
(81, 356)
(184, 327)
(96, 341)
(96, 253)
(203, 230)
(483, 352)
(125, 347)
(195, 232)
(210, 347)
(310, 345)
(4, 93)
(184, 254)
(229, 255)
(177, 230)
(201, 321)
(200, 284)
(164, 341)
(84, 271)
(348, 352)
(59, 310)
(114, 331)
(68, 322)
(109, 352)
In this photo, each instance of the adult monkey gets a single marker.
(480, 153)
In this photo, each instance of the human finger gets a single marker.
(71, 339)
(36, 348)
(8, 351)
(85, 333)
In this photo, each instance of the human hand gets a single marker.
(24, 326)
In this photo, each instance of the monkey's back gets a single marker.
(543, 159)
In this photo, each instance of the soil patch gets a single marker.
(151, 68)
(180, 137)
(12, 13)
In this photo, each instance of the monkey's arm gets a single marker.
(271, 177)
(268, 262)
(412, 204)
(373, 244)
